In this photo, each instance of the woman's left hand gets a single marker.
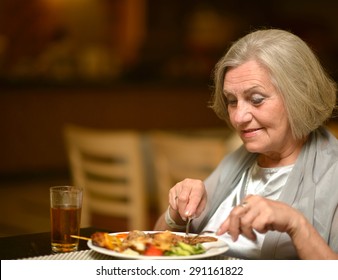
(260, 214)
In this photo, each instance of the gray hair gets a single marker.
(308, 92)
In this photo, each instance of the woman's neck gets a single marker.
(288, 157)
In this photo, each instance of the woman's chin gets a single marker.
(250, 147)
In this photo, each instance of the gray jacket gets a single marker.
(312, 188)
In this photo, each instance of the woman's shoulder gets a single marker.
(326, 153)
(326, 138)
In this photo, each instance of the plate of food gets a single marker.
(156, 245)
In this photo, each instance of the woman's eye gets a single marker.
(256, 100)
(231, 102)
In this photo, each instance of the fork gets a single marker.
(187, 227)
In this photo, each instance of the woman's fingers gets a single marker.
(197, 200)
(241, 220)
(173, 198)
(188, 197)
(232, 224)
(246, 222)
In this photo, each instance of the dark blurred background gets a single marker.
(140, 64)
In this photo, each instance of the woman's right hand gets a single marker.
(188, 198)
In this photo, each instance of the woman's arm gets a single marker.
(173, 222)
(308, 243)
(261, 214)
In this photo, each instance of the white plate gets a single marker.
(216, 248)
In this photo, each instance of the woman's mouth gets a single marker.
(249, 132)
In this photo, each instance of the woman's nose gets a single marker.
(241, 114)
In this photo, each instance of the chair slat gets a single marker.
(109, 164)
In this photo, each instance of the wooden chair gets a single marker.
(177, 156)
(109, 166)
(333, 127)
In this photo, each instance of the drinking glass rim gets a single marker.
(66, 188)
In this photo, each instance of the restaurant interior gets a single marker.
(142, 66)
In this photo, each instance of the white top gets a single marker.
(267, 182)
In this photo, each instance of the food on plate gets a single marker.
(164, 243)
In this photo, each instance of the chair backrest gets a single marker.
(109, 166)
(333, 127)
(177, 156)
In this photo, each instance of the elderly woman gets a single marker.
(272, 90)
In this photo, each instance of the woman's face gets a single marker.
(257, 111)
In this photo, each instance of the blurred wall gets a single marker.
(139, 64)
(32, 120)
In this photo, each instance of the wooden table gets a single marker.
(34, 245)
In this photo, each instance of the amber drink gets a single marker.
(65, 215)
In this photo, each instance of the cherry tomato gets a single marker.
(121, 235)
(153, 251)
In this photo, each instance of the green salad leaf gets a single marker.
(184, 249)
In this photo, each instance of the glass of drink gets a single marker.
(65, 215)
